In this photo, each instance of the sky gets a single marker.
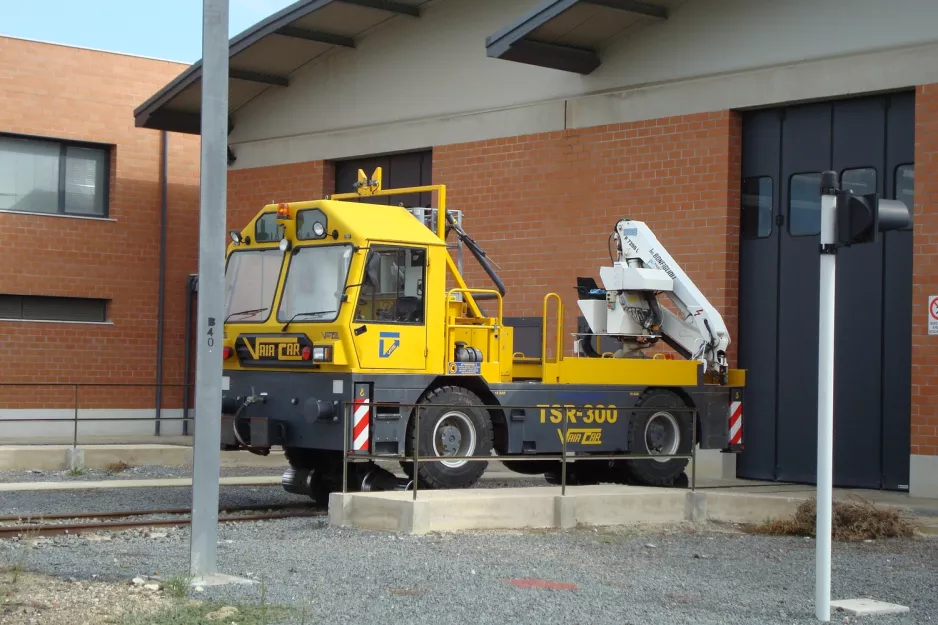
(163, 29)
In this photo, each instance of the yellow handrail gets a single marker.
(560, 315)
(469, 292)
(372, 187)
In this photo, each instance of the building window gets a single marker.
(861, 181)
(757, 207)
(43, 308)
(905, 185)
(804, 204)
(53, 177)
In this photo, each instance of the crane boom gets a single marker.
(627, 307)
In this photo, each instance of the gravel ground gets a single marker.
(127, 499)
(609, 576)
(33, 504)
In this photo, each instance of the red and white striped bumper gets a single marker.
(361, 420)
(735, 422)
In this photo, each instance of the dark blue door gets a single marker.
(869, 142)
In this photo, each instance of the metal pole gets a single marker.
(693, 451)
(75, 427)
(161, 298)
(214, 133)
(416, 450)
(345, 441)
(825, 401)
(563, 456)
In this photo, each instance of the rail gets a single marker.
(468, 291)
(67, 396)
(39, 524)
(560, 315)
(352, 456)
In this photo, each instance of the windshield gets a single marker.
(315, 283)
(250, 284)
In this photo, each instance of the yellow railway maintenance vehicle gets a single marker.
(339, 306)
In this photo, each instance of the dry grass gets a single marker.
(117, 467)
(850, 521)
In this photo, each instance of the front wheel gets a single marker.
(452, 423)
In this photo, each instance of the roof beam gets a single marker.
(317, 36)
(175, 121)
(241, 74)
(634, 6)
(565, 58)
(512, 42)
(387, 5)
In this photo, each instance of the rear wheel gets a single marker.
(452, 423)
(663, 427)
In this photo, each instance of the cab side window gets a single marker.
(392, 286)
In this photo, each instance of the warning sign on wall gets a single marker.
(933, 314)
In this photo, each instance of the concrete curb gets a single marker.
(65, 457)
(152, 483)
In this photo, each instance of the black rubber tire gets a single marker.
(433, 407)
(653, 472)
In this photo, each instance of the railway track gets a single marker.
(83, 522)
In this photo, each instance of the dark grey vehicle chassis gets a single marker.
(307, 410)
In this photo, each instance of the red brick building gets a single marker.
(709, 119)
(551, 119)
(82, 197)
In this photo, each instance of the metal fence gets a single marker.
(69, 396)
(564, 457)
(74, 392)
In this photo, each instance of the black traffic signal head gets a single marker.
(860, 217)
(857, 218)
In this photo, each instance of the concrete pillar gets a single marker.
(695, 506)
(75, 459)
(923, 476)
(564, 512)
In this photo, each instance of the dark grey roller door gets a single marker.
(411, 169)
(869, 142)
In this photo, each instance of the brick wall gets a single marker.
(560, 194)
(249, 190)
(71, 93)
(925, 274)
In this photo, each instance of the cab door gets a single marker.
(389, 326)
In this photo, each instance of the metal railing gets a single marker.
(73, 390)
(564, 457)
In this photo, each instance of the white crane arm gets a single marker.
(644, 269)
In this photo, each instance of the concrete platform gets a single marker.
(868, 607)
(545, 507)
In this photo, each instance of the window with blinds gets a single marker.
(45, 308)
(53, 177)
